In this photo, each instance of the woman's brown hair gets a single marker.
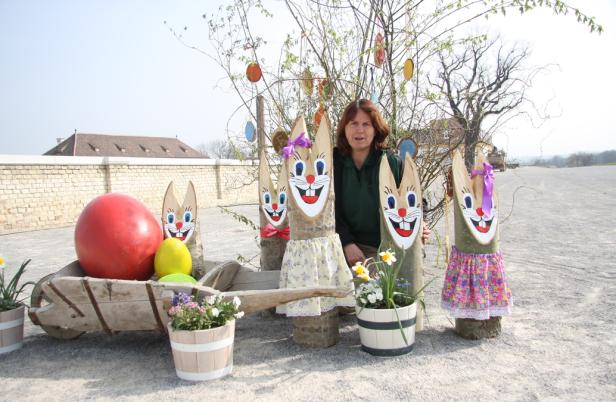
(381, 130)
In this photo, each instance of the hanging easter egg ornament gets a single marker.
(280, 138)
(307, 82)
(318, 115)
(325, 89)
(253, 72)
(409, 66)
(249, 131)
(379, 50)
(407, 146)
(374, 97)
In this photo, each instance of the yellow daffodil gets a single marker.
(2, 262)
(364, 277)
(388, 256)
(359, 269)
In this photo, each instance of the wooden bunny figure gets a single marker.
(180, 221)
(402, 223)
(314, 255)
(475, 290)
(273, 201)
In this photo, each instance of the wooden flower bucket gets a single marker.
(379, 331)
(204, 354)
(11, 329)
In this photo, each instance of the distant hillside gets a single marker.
(578, 159)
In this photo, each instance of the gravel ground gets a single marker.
(558, 241)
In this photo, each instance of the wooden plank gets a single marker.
(117, 317)
(255, 280)
(258, 300)
(221, 277)
(72, 269)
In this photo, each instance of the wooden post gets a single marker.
(260, 125)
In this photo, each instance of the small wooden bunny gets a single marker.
(180, 221)
(273, 200)
(475, 290)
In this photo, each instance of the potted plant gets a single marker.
(201, 333)
(11, 308)
(385, 311)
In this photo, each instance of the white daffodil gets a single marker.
(239, 314)
(388, 256)
(236, 301)
(215, 312)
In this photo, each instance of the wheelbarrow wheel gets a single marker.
(39, 299)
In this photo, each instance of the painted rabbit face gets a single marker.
(273, 199)
(401, 207)
(310, 168)
(179, 221)
(481, 221)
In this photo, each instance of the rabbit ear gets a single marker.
(461, 179)
(410, 178)
(190, 199)
(265, 178)
(283, 177)
(386, 180)
(301, 153)
(299, 126)
(477, 181)
(170, 202)
(322, 142)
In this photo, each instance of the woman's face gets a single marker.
(359, 132)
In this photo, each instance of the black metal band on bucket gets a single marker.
(386, 325)
(388, 352)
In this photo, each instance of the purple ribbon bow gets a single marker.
(300, 141)
(488, 186)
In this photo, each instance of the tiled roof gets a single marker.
(80, 144)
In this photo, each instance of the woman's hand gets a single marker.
(353, 254)
(425, 234)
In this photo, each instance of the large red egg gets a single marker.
(116, 237)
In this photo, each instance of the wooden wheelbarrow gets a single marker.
(67, 303)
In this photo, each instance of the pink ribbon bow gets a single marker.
(488, 186)
(300, 141)
(270, 231)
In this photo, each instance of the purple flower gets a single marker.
(181, 298)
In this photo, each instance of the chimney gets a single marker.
(59, 140)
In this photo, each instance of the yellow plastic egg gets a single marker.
(172, 257)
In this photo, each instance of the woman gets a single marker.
(360, 143)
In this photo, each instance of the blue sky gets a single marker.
(113, 67)
(104, 67)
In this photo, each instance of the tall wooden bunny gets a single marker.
(402, 223)
(314, 255)
(180, 221)
(273, 200)
(475, 290)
